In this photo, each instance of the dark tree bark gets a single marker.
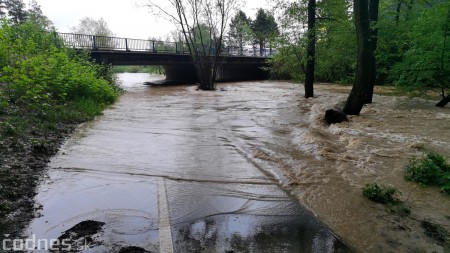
(444, 101)
(16, 10)
(334, 115)
(358, 95)
(445, 98)
(261, 47)
(397, 11)
(2, 9)
(373, 18)
(311, 50)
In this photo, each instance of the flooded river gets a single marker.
(173, 169)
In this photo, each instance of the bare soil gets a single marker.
(23, 161)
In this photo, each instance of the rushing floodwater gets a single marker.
(172, 169)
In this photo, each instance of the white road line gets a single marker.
(165, 230)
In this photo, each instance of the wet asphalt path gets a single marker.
(170, 169)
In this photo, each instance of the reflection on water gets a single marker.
(170, 168)
(231, 233)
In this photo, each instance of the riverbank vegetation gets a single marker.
(386, 195)
(45, 90)
(403, 43)
(431, 169)
(42, 78)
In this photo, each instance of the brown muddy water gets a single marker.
(173, 169)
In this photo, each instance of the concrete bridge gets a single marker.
(237, 65)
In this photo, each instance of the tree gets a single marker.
(34, 14)
(424, 65)
(194, 18)
(240, 31)
(99, 28)
(335, 58)
(264, 28)
(373, 18)
(92, 26)
(335, 45)
(358, 95)
(311, 49)
(16, 10)
(2, 9)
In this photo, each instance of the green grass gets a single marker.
(76, 111)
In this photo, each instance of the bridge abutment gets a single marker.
(227, 72)
(180, 69)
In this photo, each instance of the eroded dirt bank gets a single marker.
(22, 165)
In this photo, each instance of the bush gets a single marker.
(288, 64)
(432, 169)
(386, 195)
(380, 194)
(39, 74)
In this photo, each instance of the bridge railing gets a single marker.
(94, 42)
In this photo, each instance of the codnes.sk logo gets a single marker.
(32, 243)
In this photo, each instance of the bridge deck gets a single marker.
(126, 45)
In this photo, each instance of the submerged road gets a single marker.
(172, 169)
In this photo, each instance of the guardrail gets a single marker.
(94, 42)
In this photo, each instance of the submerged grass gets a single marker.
(386, 195)
(436, 232)
(432, 169)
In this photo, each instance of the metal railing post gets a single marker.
(153, 47)
(126, 45)
(176, 48)
(94, 41)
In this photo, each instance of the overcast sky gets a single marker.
(124, 17)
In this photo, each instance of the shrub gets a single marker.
(38, 74)
(386, 195)
(432, 169)
(380, 194)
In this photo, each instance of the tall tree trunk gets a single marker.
(397, 11)
(311, 50)
(358, 95)
(445, 98)
(261, 47)
(373, 18)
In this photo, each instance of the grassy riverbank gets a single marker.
(45, 91)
